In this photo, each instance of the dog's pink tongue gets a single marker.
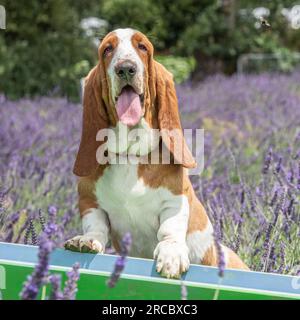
(129, 108)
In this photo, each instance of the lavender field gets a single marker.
(250, 185)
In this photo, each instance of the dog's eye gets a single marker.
(107, 50)
(142, 47)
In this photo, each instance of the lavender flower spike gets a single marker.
(42, 220)
(52, 211)
(220, 253)
(55, 281)
(71, 284)
(120, 262)
(221, 259)
(40, 274)
(34, 240)
(10, 228)
(267, 161)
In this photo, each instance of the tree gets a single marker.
(43, 50)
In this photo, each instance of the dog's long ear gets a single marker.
(94, 119)
(168, 118)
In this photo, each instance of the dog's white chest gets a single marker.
(131, 206)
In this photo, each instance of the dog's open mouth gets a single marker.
(129, 106)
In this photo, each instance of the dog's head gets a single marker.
(127, 85)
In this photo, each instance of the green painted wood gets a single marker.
(139, 280)
(93, 287)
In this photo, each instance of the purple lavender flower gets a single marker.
(267, 161)
(251, 200)
(71, 284)
(266, 244)
(34, 240)
(2, 207)
(126, 244)
(39, 276)
(275, 196)
(52, 211)
(10, 231)
(27, 234)
(55, 281)
(280, 206)
(121, 260)
(272, 258)
(282, 258)
(278, 165)
(24, 228)
(290, 207)
(240, 125)
(221, 258)
(219, 251)
(42, 220)
(298, 179)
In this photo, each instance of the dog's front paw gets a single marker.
(86, 243)
(172, 258)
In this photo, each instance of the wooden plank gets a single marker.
(140, 280)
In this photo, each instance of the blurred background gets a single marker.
(49, 45)
(235, 64)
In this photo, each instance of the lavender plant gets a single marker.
(120, 262)
(250, 185)
(71, 284)
(56, 293)
(40, 275)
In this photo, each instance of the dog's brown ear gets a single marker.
(94, 119)
(168, 118)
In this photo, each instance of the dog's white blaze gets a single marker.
(150, 215)
(125, 51)
(198, 243)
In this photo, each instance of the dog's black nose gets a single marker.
(125, 70)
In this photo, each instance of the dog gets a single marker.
(156, 203)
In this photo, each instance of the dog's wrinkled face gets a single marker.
(125, 57)
(128, 88)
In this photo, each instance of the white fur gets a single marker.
(156, 218)
(140, 140)
(171, 252)
(95, 228)
(125, 51)
(198, 243)
(95, 223)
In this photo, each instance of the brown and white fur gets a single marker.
(156, 203)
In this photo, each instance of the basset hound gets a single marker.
(156, 202)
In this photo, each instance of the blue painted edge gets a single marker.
(145, 268)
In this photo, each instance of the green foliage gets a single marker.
(214, 32)
(180, 67)
(141, 15)
(43, 51)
